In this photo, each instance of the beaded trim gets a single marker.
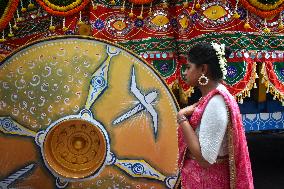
(231, 156)
(220, 52)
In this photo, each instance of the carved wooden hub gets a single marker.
(75, 148)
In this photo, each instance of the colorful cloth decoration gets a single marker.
(161, 36)
(241, 75)
(273, 79)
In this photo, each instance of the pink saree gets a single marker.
(232, 173)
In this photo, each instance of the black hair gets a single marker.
(204, 53)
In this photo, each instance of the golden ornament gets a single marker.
(64, 28)
(51, 28)
(15, 27)
(131, 14)
(24, 9)
(192, 12)
(246, 25)
(31, 6)
(236, 15)
(165, 5)
(266, 30)
(10, 35)
(197, 6)
(80, 22)
(185, 4)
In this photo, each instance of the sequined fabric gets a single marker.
(197, 177)
(218, 175)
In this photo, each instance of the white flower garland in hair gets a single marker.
(220, 52)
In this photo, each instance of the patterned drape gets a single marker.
(273, 78)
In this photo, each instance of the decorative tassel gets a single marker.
(3, 37)
(123, 6)
(11, 32)
(236, 14)
(266, 29)
(247, 25)
(267, 89)
(64, 28)
(185, 4)
(274, 97)
(51, 27)
(192, 12)
(150, 10)
(191, 90)
(112, 2)
(175, 85)
(197, 6)
(131, 11)
(254, 85)
(19, 19)
(248, 93)
(15, 27)
(141, 13)
(80, 19)
(241, 101)
(165, 4)
(280, 26)
(94, 5)
(23, 9)
(31, 5)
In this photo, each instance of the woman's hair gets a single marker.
(204, 53)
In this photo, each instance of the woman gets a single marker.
(212, 145)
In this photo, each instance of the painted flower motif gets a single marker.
(282, 71)
(99, 24)
(232, 71)
(138, 23)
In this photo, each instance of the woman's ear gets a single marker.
(204, 69)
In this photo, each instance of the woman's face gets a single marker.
(192, 74)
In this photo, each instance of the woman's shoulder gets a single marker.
(222, 88)
(217, 101)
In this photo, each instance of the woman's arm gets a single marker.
(191, 138)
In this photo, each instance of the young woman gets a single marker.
(213, 150)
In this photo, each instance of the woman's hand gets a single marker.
(187, 111)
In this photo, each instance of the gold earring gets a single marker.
(203, 77)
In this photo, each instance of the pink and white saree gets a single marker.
(235, 172)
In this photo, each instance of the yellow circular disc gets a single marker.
(99, 115)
